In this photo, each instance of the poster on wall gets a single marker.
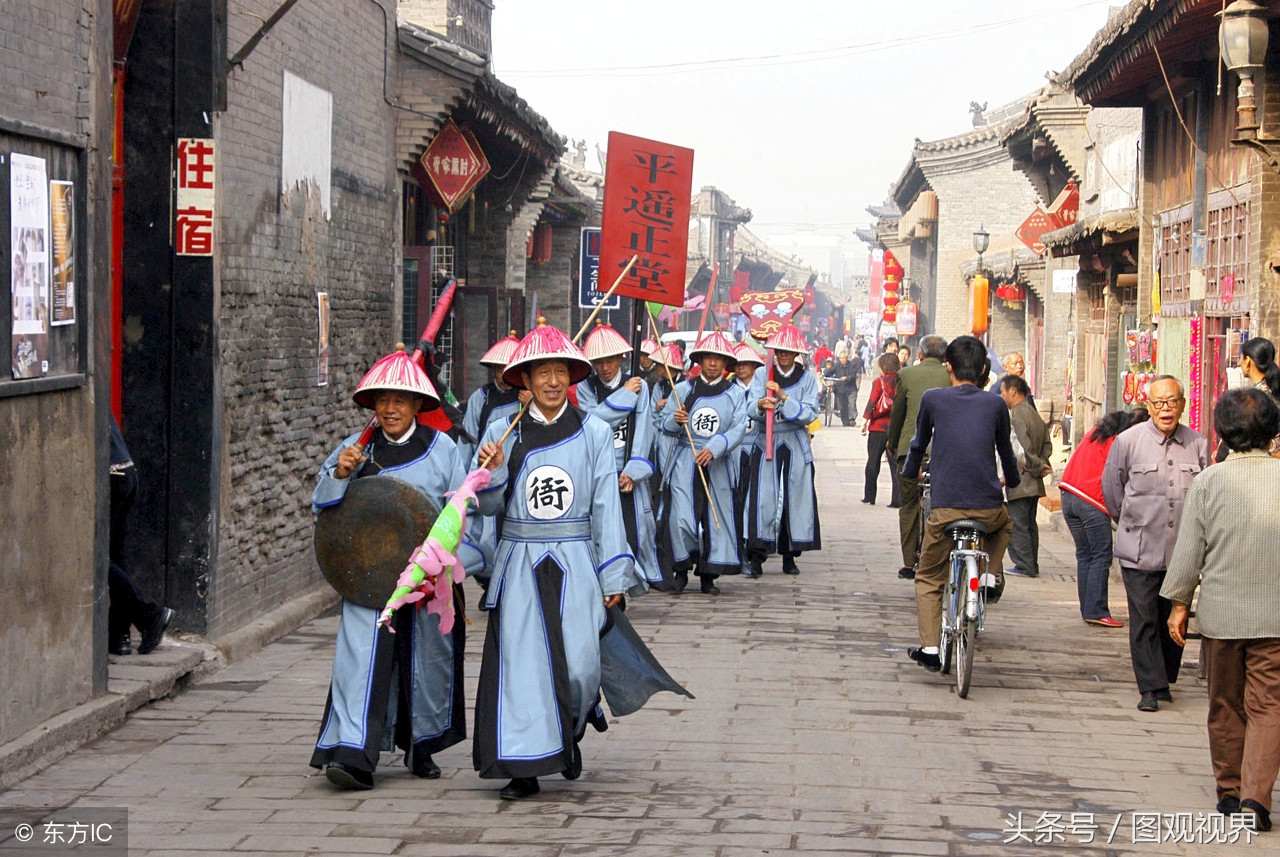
(29, 220)
(322, 351)
(62, 281)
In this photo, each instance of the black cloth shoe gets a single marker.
(1148, 702)
(868, 502)
(423, 766)
(755, 568)
(597, 719)
(1264, 817)
(789, 565)
(682, 580)
(907, 573)
(708, 586)
(932, 663)
(575, 764)
(1164, 695)
(520, 788)
(347, 777)
(894, 506)
(154, 633)
(1229, 805)
(120, 644)
(993, 594)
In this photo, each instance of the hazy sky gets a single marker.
(804, 111)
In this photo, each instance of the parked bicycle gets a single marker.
(964, 601)
(828, 398)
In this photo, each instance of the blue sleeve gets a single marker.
(639, 467)
(616, 569)
(491, 497)
(802, 405)
(730, 437)
(667, 419)
(330, 489)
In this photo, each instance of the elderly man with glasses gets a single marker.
(1147, 476)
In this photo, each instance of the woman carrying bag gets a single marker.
(876, 428)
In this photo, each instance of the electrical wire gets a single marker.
(794, 57)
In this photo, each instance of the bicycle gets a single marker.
(828, 399)
(964, 601)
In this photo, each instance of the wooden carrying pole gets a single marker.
(586, 325)
(711, 502)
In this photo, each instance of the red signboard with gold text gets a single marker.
(452, 166)
(646, 214)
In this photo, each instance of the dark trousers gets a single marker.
(908, 518)
(1244, 716)
(878, 447)
(1156, 657)
(128, 606)
(1091, 531)
(1024, 545)
(846, 401)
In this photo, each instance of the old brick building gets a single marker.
(55, 144)
(1206, 272)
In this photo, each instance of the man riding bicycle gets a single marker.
(968, 428)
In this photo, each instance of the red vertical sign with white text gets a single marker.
(647, 188)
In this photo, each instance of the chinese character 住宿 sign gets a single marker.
(589, 294)
(453, 165)
(193, 214)
(646, 214)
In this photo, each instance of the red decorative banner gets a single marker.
(1064, 212)
(452, 166)
(767, 312)
(646, 214)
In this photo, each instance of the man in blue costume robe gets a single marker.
(714, 409)
(781, 502)
(624, 403)
(403, 689)
(562, 560)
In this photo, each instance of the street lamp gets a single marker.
(981, 240)
(1242, 38)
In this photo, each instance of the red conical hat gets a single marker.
(396, 372)
(747, 354)
(648, 346)
(669, 355)
(717, 343)
(499, 354)
(788, 338)
(603, 341)
(544, 342)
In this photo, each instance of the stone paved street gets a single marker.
(811, 732)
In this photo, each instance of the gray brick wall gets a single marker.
(277, 252)
(45, 56)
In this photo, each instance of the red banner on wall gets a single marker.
(646, 214)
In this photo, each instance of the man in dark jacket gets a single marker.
(912, 382)
(846, 375)
(1024, 500)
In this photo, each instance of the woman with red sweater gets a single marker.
(876, 426)
(1086, 515)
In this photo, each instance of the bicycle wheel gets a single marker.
(966, 639)
(948, 624)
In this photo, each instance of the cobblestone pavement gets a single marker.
(811, 732)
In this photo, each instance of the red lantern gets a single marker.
(893, 269)
(890, 316)
(891, 301)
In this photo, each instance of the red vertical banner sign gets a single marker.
(875, 266)
(647, 188)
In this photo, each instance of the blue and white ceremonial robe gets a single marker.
(630, 413)
(485, 407)
(562, 548)
(742, 464)
(717, 421)
(418, 670)
(781, 502)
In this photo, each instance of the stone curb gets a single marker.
(133, 683)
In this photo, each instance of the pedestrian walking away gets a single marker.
(1227, 546)
(1084, 510)
(968, 428)
(913, 381)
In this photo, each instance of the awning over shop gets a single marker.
(1089, 233)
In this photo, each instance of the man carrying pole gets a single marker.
(710, 411)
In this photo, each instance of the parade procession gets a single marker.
(537, 428)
